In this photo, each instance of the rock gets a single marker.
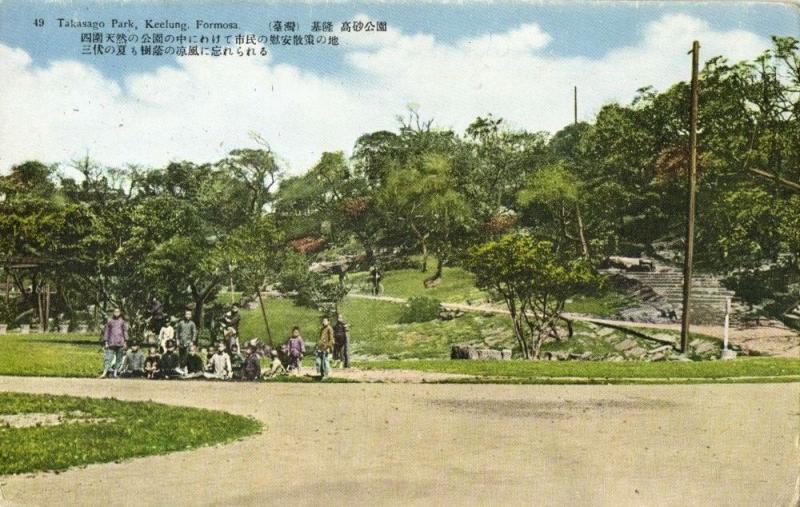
(505, 354)
(625, 345)
(660, 350)
(450, 314)
(657, 357)
(470, 352)
(604, 331)
(704, 347)
(615, 358)
(635, 353)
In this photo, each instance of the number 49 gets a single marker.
(38, 22)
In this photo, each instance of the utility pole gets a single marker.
(575, 104)
(692, 177)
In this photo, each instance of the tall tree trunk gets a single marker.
(584, 245)
(424, 267)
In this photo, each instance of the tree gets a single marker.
(533, 281)
(255, 252)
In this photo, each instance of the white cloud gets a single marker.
(205, 107)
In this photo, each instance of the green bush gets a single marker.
(420, 309)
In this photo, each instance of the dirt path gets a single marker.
(762, 340)
(402, 444)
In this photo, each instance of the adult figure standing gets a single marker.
(156, 310)
(324, 348)
(115, 334)
(233, 317)
(341, 342)
(186, 336)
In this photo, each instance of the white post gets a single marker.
(727, 354)
(727, 323)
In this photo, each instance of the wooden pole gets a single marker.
(692, 182)
(264, 314)
(575, 104)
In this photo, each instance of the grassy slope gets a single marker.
(130, 429)
(746, 367)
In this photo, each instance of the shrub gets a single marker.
(420, 309)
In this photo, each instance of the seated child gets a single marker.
(133, 362)
(251, 370)
(275, 366)
(194, 363)
(151, 364)
(170, 362)
(219, 366)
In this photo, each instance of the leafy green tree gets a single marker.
(533, 281)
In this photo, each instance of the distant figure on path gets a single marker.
(324, 348)
(341, 345)
(115, 334)
(186, 336)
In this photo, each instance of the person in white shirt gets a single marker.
(219, 366)
(167, 333)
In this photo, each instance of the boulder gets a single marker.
(470, 352)
(626, 344)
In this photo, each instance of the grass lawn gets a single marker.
(521, 371)
(457, 285)
(101, 430)
(50, 355)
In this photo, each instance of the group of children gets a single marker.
(177, 356)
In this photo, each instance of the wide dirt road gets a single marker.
(382, 444)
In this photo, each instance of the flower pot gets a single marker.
(3, 328)
(63, 328)
(83, 328)
(24, 328)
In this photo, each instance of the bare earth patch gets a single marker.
(432, 444)
(49, 419)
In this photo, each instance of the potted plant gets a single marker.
(8, 312)
(63, 324)
(82, 322)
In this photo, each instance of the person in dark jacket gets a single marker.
(252, 365)
(156, 310)
(194, 364)
(115, 335)
(169, 363)
(341, 342)
(186, 336)
(232, 318)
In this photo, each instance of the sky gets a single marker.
(450, 61)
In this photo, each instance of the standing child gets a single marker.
(296, 348)
(167, 333)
